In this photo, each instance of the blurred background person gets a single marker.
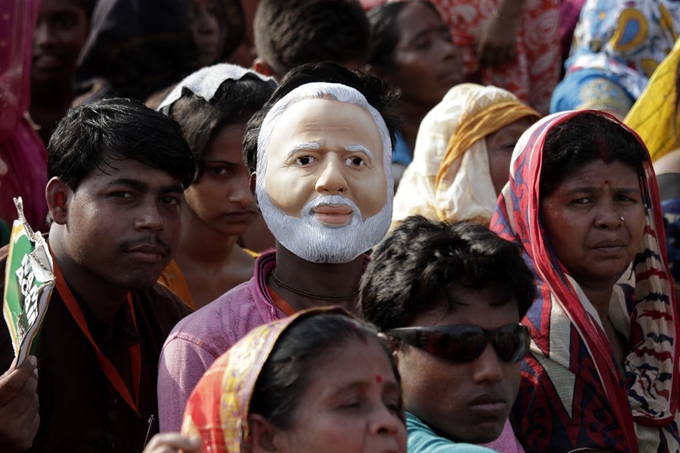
(511, 44)
(289, 33)
(21, 148)
(58, 38)
(411, 48)
(138, 47)
(617, 46)
(462, 158)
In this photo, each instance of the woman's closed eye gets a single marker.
(351, 404)
(393, 404)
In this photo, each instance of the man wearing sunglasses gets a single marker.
(449, 298)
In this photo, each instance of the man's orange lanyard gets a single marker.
(107, 366)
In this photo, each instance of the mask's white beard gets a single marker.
(309, 239)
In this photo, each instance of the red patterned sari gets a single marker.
(573, 394)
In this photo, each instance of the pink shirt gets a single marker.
(200, 338)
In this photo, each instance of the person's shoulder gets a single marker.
(421, 439)
(160, 306)
(231, 316)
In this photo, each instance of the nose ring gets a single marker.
(622, 219)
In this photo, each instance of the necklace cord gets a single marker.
(300, 292)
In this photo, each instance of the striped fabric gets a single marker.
(573, 395)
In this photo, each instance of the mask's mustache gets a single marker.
(322, 200)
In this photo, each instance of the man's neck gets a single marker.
(103, 299)
(315, 278)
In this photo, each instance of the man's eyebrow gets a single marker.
(302, 146)
(360, 148)
(134, 183)
(142, 186)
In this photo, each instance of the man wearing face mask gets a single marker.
(319, 154)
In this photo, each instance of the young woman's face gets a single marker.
(221, 197)
(206, 33)
(59, 36)
(352, 405)
(595, 220)
(427, 64)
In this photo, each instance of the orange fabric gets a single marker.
(251, 253)
(280, 303)
(173, 279)
(480, 124)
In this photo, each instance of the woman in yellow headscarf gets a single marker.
(319, 380)
(462, 155)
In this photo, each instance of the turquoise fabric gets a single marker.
(421, 439)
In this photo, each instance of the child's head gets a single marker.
(289, 33)
(450, 297)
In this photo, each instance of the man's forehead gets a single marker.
(114, 165)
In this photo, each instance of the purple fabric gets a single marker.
(507, 442)
(570, 11)
(200, 338)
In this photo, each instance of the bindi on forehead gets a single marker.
(606, 181)
(378, 378)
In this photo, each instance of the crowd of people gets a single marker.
(423, 226)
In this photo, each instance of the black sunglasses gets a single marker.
(463, 343)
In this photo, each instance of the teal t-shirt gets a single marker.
(421, 439)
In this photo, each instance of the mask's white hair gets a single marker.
(322, 90)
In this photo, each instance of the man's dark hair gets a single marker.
(289, 33)
(234, 102)
(582, 139)
(413, 271)
(117, 129)
(378, 94)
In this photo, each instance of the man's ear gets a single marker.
(392, 343)
(260, 66)
(262, 436)
(252, 184)
(58, 196)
